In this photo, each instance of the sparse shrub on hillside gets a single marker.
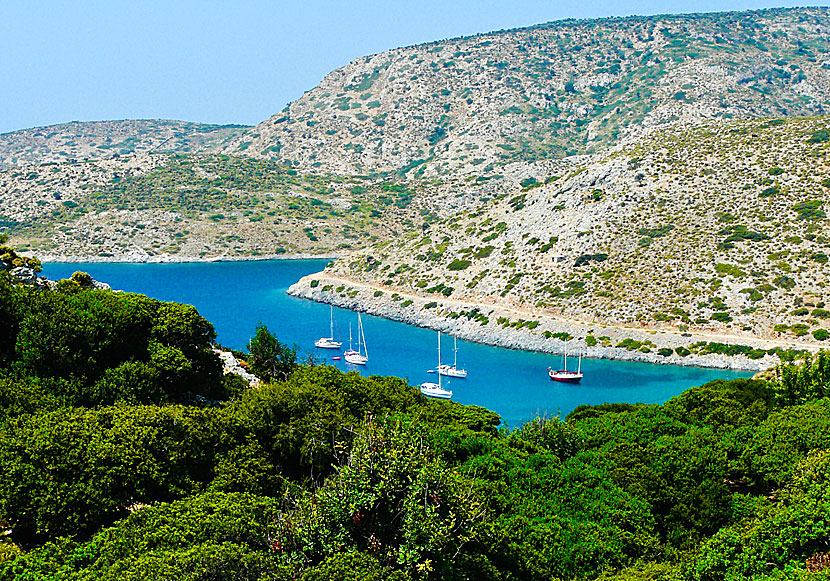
(799, 329)
(730, 270)
(820, 136)
(656, 232)
(810, 210)
(584, 259)
(784, 282)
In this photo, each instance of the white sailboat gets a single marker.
(453, 370)
(361, 356)
(563, 374)
(329, 342)
(431, 389)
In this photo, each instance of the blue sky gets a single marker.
(233, 62)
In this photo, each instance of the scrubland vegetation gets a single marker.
(126, 454)
(682, 235)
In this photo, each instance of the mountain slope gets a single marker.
(171, 206)
(105, 139)
(720, 227)
(471, 105)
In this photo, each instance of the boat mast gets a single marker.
(455, 348)
(350, 335)
(565, 358)
(331, 321)
(438, 369)
(362, 337)
(359, 333)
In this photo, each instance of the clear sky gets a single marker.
(235, 61)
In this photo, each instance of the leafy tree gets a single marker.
(108, 346)
(207, 536)
(393, 499)
(805, 381)
(779, 537)
(271, 360)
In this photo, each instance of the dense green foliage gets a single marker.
(91, 347)
(270, 359)
(319, 474)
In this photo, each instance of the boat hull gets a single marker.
(327, 343)
(434, 390)
(565, 376)
(450, 371)
(355, 358)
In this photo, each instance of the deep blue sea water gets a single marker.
(234, 296)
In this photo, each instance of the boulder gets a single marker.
(24, 275)
(231, 364)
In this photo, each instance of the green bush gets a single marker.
(820, 136)
(799, 329)
(784, 282)
(270, 359)
(810, 210)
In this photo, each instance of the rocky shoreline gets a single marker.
(480, 323)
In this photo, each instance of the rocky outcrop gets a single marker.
(231, 364)
(23, 275)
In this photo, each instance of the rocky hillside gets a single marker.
(79, 141)
(161, 207)
(473, 105)
(718, 227)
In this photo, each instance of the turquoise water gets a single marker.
(234, 296)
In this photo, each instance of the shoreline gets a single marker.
(451, 316)
(70, 259)
(364, 297)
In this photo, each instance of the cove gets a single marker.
(234, 296)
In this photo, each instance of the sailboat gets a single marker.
(565, 375)
(430, 389)
(361, 356)
(452, 370)
(329, 342)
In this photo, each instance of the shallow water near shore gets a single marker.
(234, 296)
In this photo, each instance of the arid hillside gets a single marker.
(80, 141)
(720, 226)
(473, 105)
(167, 206)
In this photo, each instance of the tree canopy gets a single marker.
(124, 455)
